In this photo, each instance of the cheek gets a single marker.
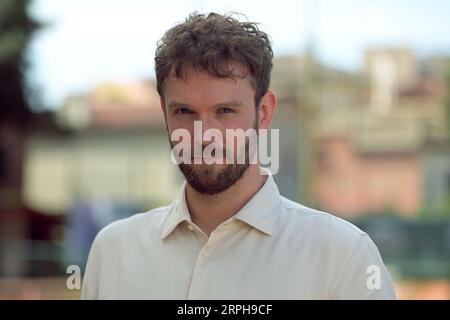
(174, 123)
(243, 122)
(176, 129)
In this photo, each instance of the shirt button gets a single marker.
(190, 227)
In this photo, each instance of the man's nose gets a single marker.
(207, 123)
(206, 131)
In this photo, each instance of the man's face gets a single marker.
(219, 103)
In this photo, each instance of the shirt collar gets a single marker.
(178, 213)
(257, 212)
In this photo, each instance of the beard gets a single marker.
(208, 179)
(212, 179)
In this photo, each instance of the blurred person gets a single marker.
(230, 234)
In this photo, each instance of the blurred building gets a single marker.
(373, 148)
(115, 147)
(307, 91)
(109, 158)
(370, 155)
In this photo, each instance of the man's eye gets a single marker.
(183, 111)
(226, 110)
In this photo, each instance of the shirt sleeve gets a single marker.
(92, 272)
(363, 274)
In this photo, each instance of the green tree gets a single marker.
(16, 29)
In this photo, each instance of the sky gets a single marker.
(87, 42)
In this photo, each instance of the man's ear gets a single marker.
(267, 108)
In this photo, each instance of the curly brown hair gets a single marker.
(210, 43)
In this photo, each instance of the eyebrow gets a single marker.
(231, 103)
(227, 104)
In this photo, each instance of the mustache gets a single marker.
(201, 148)
(212, 153)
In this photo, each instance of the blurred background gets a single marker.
(364, 119)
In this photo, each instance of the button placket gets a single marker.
(199, 277)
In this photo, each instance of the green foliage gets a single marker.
(16, 29)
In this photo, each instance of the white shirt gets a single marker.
(272, 248)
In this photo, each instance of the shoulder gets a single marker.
(339, 245)
(320, 229)
(300, 216)
(139, 226)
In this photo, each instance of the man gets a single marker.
(230, 235)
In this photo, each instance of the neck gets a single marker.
(209, 211)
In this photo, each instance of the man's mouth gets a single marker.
(202, 158)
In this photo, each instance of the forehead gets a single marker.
(196, 84)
